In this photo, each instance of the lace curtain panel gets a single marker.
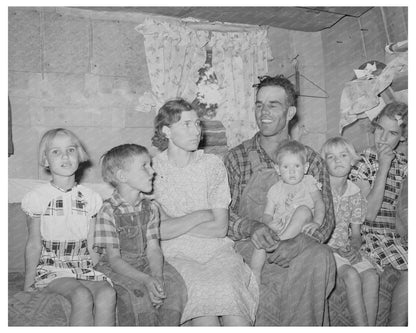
(175, 52)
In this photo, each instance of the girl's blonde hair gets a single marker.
(339, 141)
(50, 135)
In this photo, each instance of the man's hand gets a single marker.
(263, 237)
(287, 250)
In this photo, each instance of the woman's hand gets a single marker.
(217, 227)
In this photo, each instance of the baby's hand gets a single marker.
(310, 228)
(156, 289)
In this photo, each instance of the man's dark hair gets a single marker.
(279, 81)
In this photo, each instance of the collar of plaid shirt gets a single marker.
(118, 201)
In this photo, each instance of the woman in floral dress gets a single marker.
(192, 188)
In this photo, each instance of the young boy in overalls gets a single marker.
(128, 237)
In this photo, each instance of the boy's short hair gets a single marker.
(47, 138)
(338, 141)
(117, 158)
(291, 147)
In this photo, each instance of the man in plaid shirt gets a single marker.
(300, 273)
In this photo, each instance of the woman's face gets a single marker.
(185, 133)
(387, 132)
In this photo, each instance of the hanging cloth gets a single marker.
(11, 147)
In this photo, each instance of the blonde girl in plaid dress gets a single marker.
(380, 176)
(61, 217)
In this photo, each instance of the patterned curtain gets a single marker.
(238, 59)
(175, 52)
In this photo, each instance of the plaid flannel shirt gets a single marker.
(106, 234)
(239, 172)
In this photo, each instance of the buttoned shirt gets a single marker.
(106, 234)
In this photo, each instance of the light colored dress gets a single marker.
(350, 208)
(286, 198)
(218, 281)
(64, 223)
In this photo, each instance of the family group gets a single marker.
(203, 241)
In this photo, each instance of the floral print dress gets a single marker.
(218, 281)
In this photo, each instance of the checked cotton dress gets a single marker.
(383, 244)
(64, 223)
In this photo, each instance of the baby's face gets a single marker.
(291, 168)
(339, 161)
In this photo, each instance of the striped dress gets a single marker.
(382, 242)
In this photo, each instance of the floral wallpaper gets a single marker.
(175, 53)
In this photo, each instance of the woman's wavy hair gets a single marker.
(395, 111)
(168, 114)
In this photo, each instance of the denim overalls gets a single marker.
(135, 307)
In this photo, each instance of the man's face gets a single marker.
(272, 110)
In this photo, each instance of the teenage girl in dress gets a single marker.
(380, 176)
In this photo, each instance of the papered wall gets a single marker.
(86, 70)
(346, 46)
(85, 73)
